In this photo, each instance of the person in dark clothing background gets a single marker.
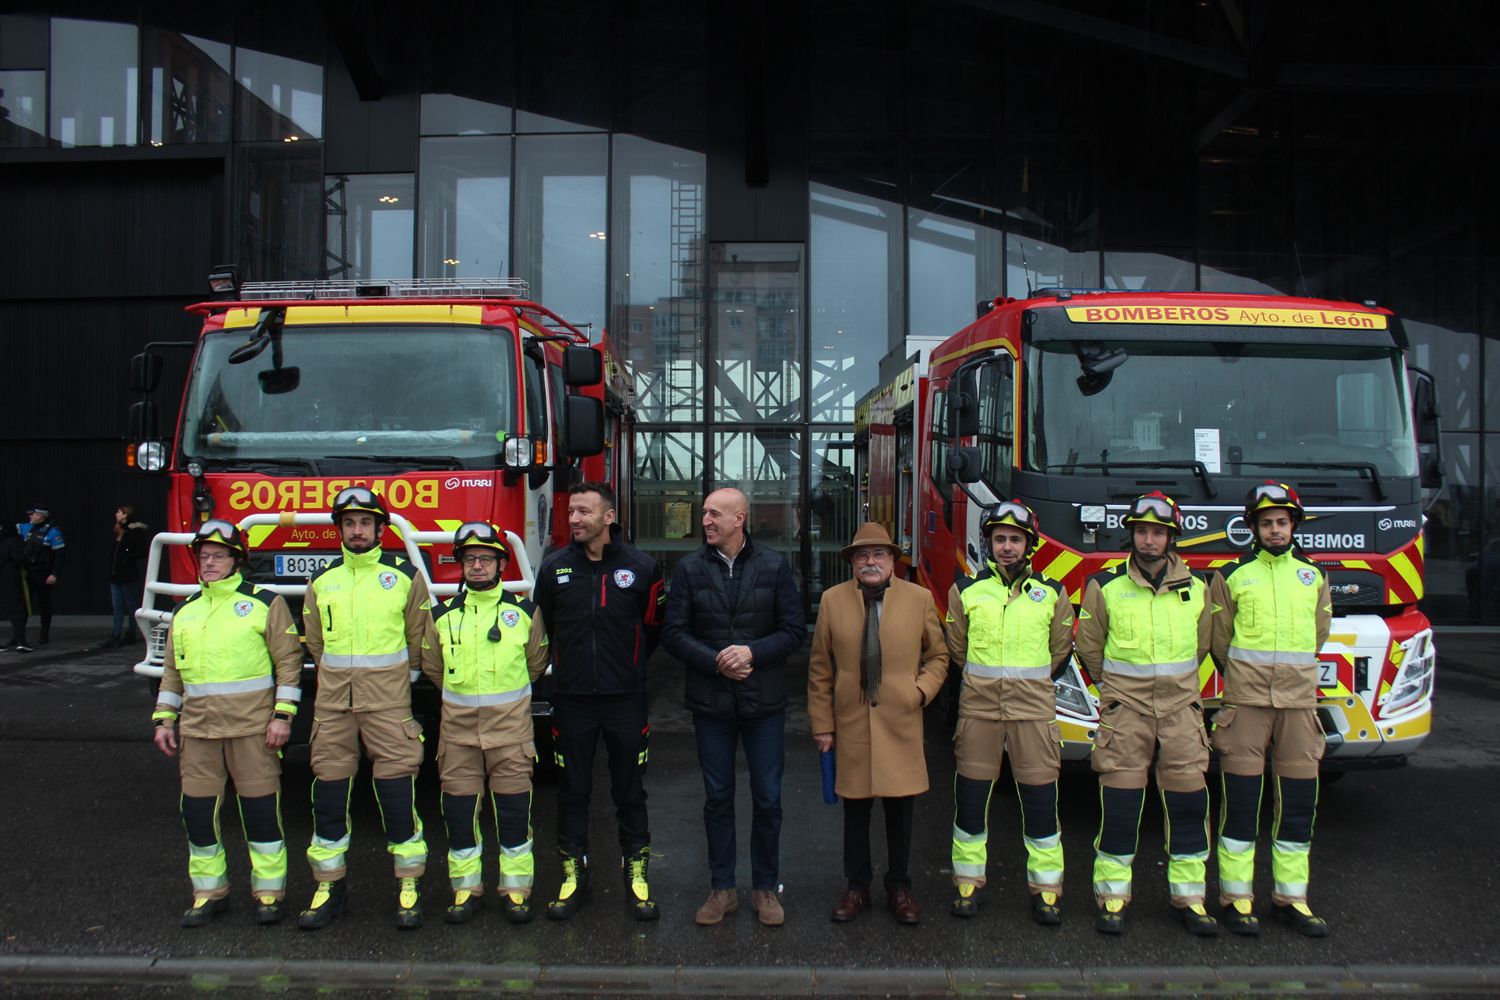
(131, 541)
(601, 600)
(43, 544)
(13, 588)
(733, 617)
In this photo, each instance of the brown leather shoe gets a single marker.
(767, 907)
(719, 903)
(903, 906)
(850, 905)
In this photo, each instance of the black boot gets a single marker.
(1044, 909)
(1197, 920)
(268, 910)
(203, 910)
(408, 905)
(1302, 919)
(1111, 917)
(517, 907)
(966, 902)
(1240, 918)
(638, 886)
(327, 904)
(465, 904)
(575, 886)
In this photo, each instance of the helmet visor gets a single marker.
(1010, 512)
(356, 496)
(481, 534)
(220, 531)
(1159, 508)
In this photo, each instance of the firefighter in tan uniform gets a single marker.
(1011, 630)
(1276, 614)
(232, 672)
(484, 649)
(364, 617)
(1143, 629)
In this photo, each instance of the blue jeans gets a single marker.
(764, 739)
(119, 595)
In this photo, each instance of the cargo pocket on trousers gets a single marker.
(1054, 742)
(413, 730)
(1223, 719)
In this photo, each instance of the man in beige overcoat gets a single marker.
(878, 657)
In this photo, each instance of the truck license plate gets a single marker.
(303, 565)
(1328, 674)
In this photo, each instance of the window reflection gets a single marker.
(24, 103)
(190, 88)
(277, 97)
(766, 465)
(95, 83)
(1032, 264)
(560, 223)
(1154, 271)
(833, 515)
(755, 316)
(450, 114)
(954, 265)
(658, 270)
(278, 190)
(668, 486)
(369, 225)
(465, 207)
(855, 269)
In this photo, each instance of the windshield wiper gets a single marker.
(1350, 466)
(273, 465)
(1198, 469)
(406, 462)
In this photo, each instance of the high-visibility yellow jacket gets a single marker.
(1276, 614)
(1008, 637)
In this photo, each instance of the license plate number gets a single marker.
(1328, 674)
(301, 565)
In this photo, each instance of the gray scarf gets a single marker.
(869, 653)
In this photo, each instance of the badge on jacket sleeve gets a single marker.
(1307, 577)
(624, 578)
(510, 618)
(388, 580)
(242, 608)
(1036, 594)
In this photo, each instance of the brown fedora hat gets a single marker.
(869, 535)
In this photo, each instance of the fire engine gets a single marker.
(1077, 401)
(456, 400)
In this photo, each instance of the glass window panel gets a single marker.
(1155, 271)
(954, 265)
(1453, 359)
(1453, 534)
(1482, 577)
(369, 225)
(95, 83)
(833, 508)
(765, 464)
(656, 302)
(855, 272)
(668, 487)
(1031, 264)
(450, 114)
(278, 97)
(24, 103)
(560, 223)
(23, 41)
(756, 331)
(465, 207)
(190, 88)
(279, 210)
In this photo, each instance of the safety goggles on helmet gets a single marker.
(1270, 495)
(1155, 508)
(359, 498)
(221, 533)
(1012, 513)
(479, 535)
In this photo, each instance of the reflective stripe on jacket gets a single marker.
(1007, 640)
(1276, 614)
(1143, 645)
(232, 655)
(486, 682)
(364, 616)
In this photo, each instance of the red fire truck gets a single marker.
(457, 400)
(1075, 402)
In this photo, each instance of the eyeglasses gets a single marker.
(479, 559)
(204, 556)
(871, 555)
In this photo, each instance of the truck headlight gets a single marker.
(1072, 694)
(1414, 677)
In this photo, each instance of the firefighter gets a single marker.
(232, 671)
(364, 618)
(1143, 629)
(484, 649)
(1276, 615)
(1012, 629)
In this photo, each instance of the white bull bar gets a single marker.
(154, 622)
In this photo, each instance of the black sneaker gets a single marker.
(1044, 909)
(23, 648)
(1239, 916)
(203, 910)
(1197, 921)
(465, 904)
(517, 907)
(966, 903)
(1111, 918)
(1302, 919)
(268, 910)
(328, 903)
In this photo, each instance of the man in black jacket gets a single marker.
(601, 601)
(733, 617)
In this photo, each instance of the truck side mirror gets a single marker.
(582, 366)
(963, 405)
(964, 465)
(583, 426)
(1424, 408)
(145, 372)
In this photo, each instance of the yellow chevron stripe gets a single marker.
(1401, 563)
(259, 533)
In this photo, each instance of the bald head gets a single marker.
(724, 520)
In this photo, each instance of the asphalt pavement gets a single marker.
(96, 877)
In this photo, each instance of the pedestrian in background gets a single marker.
(13, 606)
(878, 657)
(124, 570)
(43, 544)
(733, 617)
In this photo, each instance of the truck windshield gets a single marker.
(409, 393)
(1227, 405)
